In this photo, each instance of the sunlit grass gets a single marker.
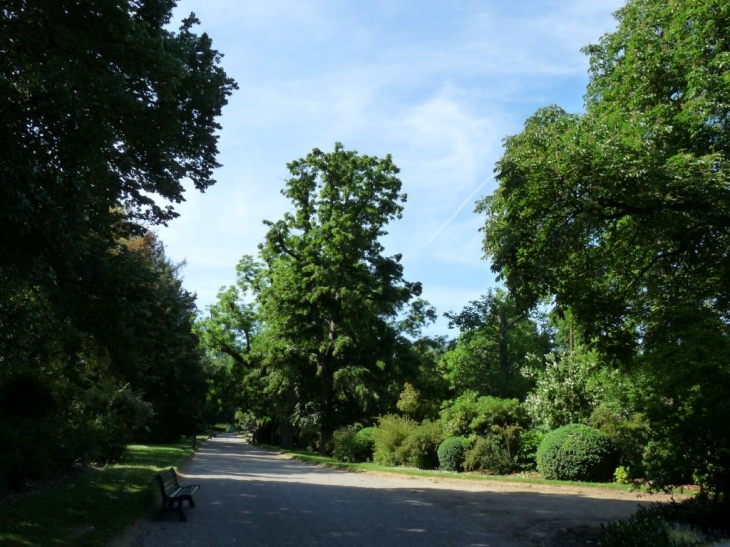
(93, 508)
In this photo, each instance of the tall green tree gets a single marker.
(105, 112)
(332, 297)
(622, 213)
(495, 338)
(229, 336)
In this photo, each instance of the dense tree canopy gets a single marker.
(626, 205)
(496, 337)
(622, 213)
(103, 109)
(105, 112)
(330, 297)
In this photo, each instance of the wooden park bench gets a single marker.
(173, 494)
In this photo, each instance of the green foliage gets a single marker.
(622, 474)
(366, 442)
(662, 466)
(408, 401)
(401, 441)
(420, 448)
(491, 454)
(629, 431)
(110, 497)
(577, 452)
(451, 453)
(230, 337)
(470, 414)
(620, 216)
(648, 529)
(567, 388)
(327, 295)
(105, 110)
(74, 371)
(354, 445)
(694, 522)
(529, 442)
(687, 403)
(495, 338)
(389, 436)
(421, 366)
(111, 415)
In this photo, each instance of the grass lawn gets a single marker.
(93, 508)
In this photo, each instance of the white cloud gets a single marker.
(438, 85)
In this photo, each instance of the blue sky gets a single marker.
(436, 84)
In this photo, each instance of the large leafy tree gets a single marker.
(229, 337)
(102, 105)
(331, 297)
(622, 213)
(495, 338)
(105, 111)
(124, 343)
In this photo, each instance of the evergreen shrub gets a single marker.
(577, 452)
(352, 445)
(630, 432)
(451, 454)
(529, 442)
(470, 413)
(489, 454)
(366, 443)
(389, 436)
(419, 448)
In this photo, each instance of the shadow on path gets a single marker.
(251, 497)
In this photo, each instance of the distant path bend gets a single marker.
(254, 497)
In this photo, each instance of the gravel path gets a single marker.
(253, 497)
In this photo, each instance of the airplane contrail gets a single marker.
(435, 235)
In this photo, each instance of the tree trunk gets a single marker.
(286, 434)
(327, 428)
(286, 429)
(502, 343)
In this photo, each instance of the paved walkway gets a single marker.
(252, 497)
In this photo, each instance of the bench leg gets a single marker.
(183, 518)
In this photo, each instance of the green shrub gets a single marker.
(344, 444)
(567, 388)
(419, 449)
(494, 413)
(629, 431)
(662, 466)
(622, 474)
(694, 522)
(366, 443)
(350, 445)
(529, 442)
(645, 529)
(113, 415)
(577, 452)
(391, 433)
(489, 454)
(469, 414)
(451, 453)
